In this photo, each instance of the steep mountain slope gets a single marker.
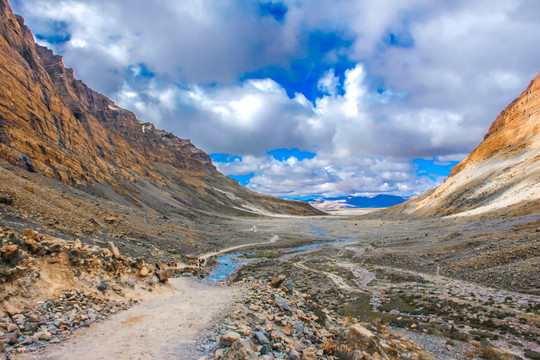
(57, 126)
(501, 174)
(75, 165)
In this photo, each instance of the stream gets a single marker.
(229, 263)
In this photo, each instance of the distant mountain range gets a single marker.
(351, 202)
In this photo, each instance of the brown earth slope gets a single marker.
(55, 125)
(501, 174)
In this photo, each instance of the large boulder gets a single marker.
(10, 253)
(240, 350)
(361, 338)
(229, 338)
(277, 281)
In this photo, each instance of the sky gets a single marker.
(306, 98)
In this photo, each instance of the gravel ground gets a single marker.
(438, 347)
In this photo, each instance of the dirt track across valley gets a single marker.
(164, 328)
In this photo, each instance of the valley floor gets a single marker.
(452, 281)
(454, 287)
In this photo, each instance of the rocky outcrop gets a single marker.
(53, 124)
(501, 174)
(515, 130)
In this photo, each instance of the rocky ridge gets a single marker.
(73, 165)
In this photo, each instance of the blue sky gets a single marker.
(301, 98)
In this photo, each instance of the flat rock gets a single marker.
(28, 341)
(287, 330)
(11, 338)
(282, 303)
(261, 338)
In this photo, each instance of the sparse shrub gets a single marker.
(343, 352)
(14, 239)
(489, 352)
(470, 354)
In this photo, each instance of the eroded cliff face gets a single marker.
(58, 126)
(503, 172)
(53, 124)
(516, 129)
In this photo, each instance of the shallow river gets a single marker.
(227, 264)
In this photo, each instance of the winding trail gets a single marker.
(163, 328)
(226, 250)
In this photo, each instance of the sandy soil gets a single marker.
(163, 328)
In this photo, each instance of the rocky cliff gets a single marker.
(75, 165)
(501, 174)
(58, 126)
(53, 124)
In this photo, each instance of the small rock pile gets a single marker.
(275, 321)
(52, 320)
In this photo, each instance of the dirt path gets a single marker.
(162, 328)
(226, 250)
